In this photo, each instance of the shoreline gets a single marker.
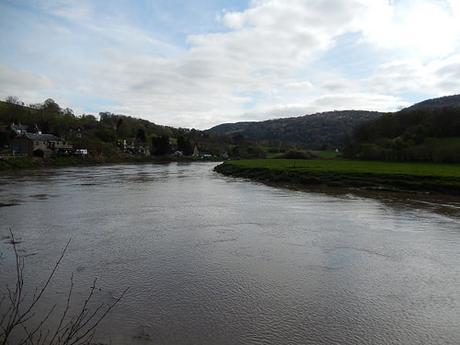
(391, 183)
(31, 163)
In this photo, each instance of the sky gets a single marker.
(199, 63)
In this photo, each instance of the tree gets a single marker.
(106, 116)
(88, 121)
(161, 145)
(140, 136)
(237, 138)
(68, 112)
(13, 100)
(106, 135)
(119, 123)
(185, 145)
(51, 106)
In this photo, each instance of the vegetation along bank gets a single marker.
(392, 176)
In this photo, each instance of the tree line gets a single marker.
(108, 134)
(419, 134)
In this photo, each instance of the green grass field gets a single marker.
(352, 166)
(326, 154)
(420, 177)
(319, 154)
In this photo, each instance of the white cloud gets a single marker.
(258, 66)
(76, 10)
(437, 77)
(423, 28)
(359, 101)
(28, 85)
(262, 53)
(324, 103)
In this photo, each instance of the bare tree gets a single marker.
(13, 100)
(19, 320)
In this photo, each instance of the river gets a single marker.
(215, 260)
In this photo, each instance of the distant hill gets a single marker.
(332, 129)
(317, 131)
(441, 102)
(415, 133)
(427, 131)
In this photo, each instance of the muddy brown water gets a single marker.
(211, 259)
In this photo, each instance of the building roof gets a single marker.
(41, 137)
(19, 127)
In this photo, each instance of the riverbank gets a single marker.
(372, 175)
(30, 163)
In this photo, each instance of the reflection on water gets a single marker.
(217, 260)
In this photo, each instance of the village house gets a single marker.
(36, 144)
(133, 147)
(18, 129)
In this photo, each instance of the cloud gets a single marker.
(27, 84)
(358, 101)
(264, 61)
(262, 53)
(324, 103)
(423, 28)
(75, 10)
(437, 77)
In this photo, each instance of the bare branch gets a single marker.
(66, 310)
(58, 262)
(18, 318)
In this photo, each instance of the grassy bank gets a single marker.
(423, 177)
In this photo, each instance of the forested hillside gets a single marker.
(419, 133)
(328, 130)
(427, 131)
(104, 135)
(441, 102)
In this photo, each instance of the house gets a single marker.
(18, 129)
(142, 150)
(38, 144)
(133, 147)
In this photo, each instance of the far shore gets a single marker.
(350, 174)
(33, 163)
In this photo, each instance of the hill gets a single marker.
(330, 130)
(317, 131)
(428, 131)
(110, 135)
(434, 103)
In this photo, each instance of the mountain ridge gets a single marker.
(439, 102)
(316, 131)
(325, 130)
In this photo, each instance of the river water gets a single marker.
(215, 260)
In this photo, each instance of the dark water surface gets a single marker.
(216, 260)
